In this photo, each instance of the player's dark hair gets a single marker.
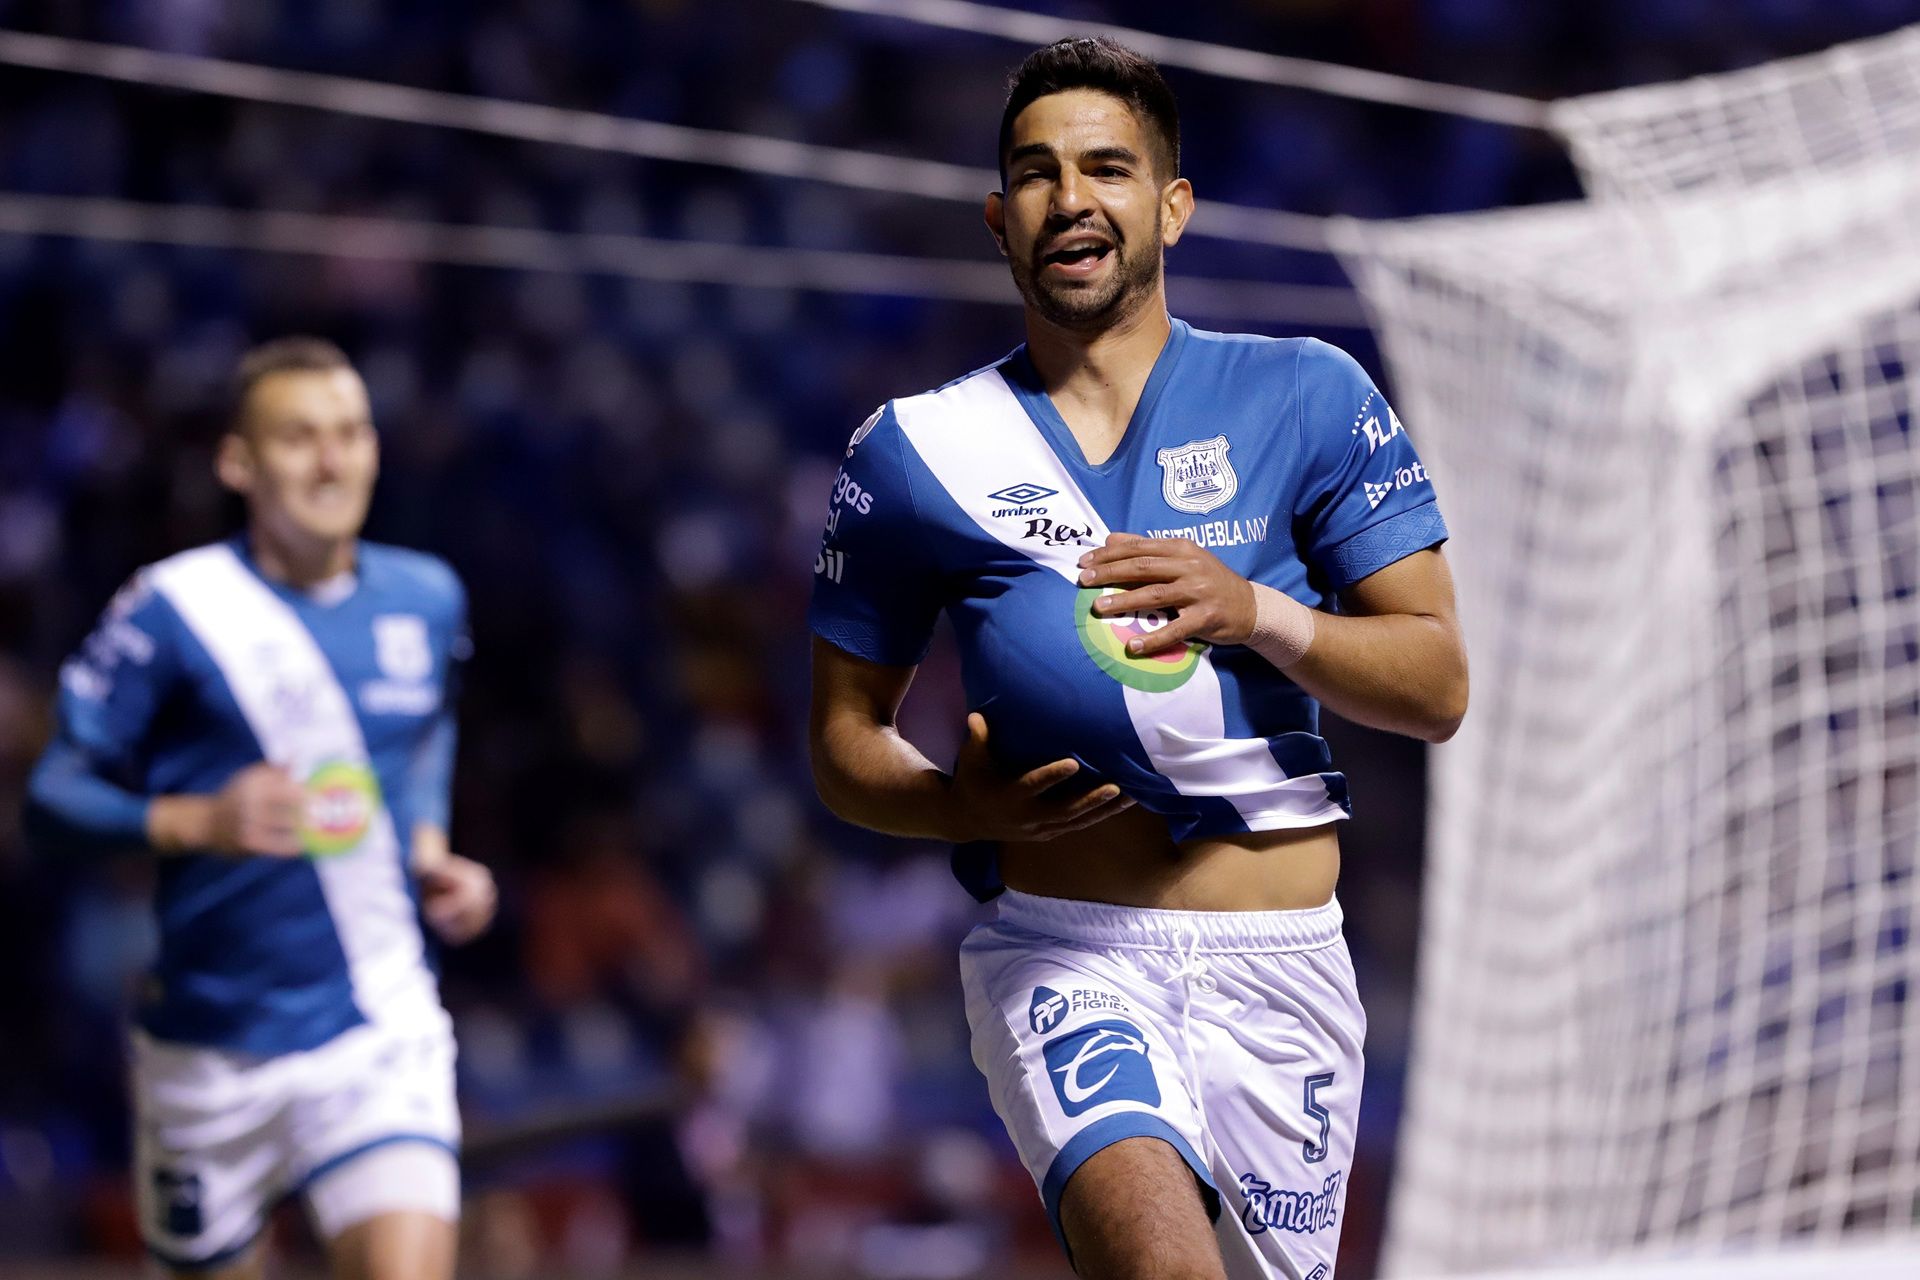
(1096, 62)
(297, 353)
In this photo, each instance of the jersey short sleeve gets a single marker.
(1367, 500)
(875, 588)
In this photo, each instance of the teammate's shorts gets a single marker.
(1233, 1036)
(363, 1125)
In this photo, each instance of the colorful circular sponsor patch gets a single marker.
(1105, 640)
(341, 800)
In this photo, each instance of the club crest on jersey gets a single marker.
(1196, 477)
(400, 646)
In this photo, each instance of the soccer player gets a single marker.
(1160, 549)
(272, 717)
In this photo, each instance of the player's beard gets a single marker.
(1135, 276)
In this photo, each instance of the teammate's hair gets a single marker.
(1096, 62)
(297, 353)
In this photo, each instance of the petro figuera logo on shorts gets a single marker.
(1098, 1063)
(1105, 640)
(342, 798)
(1197, 477)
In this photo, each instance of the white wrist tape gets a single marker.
(1282, 627)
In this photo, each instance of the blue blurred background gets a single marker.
(712, 1022)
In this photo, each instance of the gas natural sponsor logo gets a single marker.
(1403, 478)
(1278, 1209)
(1219, 533)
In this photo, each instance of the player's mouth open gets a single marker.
(1077, 257)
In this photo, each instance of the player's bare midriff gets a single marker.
(1130, 860)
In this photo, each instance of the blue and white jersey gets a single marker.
(200, 667)
(1279, 456)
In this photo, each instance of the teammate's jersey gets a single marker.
(1279, 456)
(200, 667)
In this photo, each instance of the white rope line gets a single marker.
(632, 257)
(589, 130)
(1213, 59)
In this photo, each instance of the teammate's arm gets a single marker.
(80, 799)
(872, 777)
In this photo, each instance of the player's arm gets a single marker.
(876, 596)
(458, 896)
(80, 799)
(1368, 526)
(870, 775)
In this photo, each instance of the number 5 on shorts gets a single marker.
(1315, 1149)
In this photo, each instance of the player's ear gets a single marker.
(995, 214)
(1176, 206)
(233, 462)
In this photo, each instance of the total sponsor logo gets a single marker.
(1269, 1208)
(1101, 1062)
(1049, 1008)
(1403, 478)
(1219, 533)
(1022, 499)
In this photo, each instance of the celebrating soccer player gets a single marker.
(1160, 549)
(272, 717)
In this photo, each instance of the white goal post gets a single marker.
(1669, 992)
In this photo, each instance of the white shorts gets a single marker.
(365, 1124)
(1234, 1036)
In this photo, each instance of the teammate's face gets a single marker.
(1086, 214)
(304, 454)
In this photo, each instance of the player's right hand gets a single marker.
(994, 806)
(259, 811)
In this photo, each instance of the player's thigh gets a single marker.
(1133, 1211)
(402, 1245)
(1283, 1108)
(209, 1155)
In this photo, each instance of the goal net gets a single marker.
(1669, 996)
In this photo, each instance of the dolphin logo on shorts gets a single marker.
(1101, 1062)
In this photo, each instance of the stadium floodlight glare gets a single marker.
(1669, 996)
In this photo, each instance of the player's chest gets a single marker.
(384, 666)
(1199, 480)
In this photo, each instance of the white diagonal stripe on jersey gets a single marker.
(975, 437)
(264, 651)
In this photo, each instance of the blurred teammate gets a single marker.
(272, 717)
(1158, 547)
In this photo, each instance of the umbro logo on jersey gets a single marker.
(1197, 477)
(1098, 1063)
(1020, 499)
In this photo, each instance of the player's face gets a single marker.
(1083, 220)
(305, 454)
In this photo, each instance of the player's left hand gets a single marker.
(1170, 575)
(458, 898)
